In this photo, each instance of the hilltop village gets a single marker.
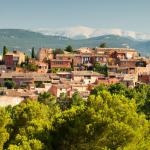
(66, 71)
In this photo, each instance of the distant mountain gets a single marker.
(83, 32)
(25, 40)
(117, 41)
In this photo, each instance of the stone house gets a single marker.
(14, 58)
(45, 54)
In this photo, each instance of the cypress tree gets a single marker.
(5, 50)
(32, 53)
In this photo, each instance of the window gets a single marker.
(87, 77)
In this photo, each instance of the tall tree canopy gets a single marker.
(112, 118)
(4, 122)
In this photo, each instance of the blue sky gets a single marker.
(131, 15)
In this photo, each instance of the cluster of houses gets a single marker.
(70, 72)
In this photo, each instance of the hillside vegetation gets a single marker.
(112, 118)
(25, 40)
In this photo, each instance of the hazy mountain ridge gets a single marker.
(83, 32)
(25, 39)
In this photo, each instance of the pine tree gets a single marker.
(69, 49)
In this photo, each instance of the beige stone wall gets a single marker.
(45, 53)
(143, 70)
(21, 58)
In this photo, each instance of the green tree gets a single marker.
(33, 53)
(5, 50)
(9, 84)
(70, 129)
(26, 60)
(106, 122)
(103, 69)
(31, 122)
(32, 67)
(119, 121)
(117, 88)
(103, 45)
(98, 89)
(64, 101)
(23, 143)
(4, 121)
(146, 107)
(57, 51)
(111, 118)
(47, 98)
(69, 49)
(143, 99)
(77, 99)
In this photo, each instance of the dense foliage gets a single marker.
(112, 118)
(9, 84)
(103, 69)
(31, 67)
